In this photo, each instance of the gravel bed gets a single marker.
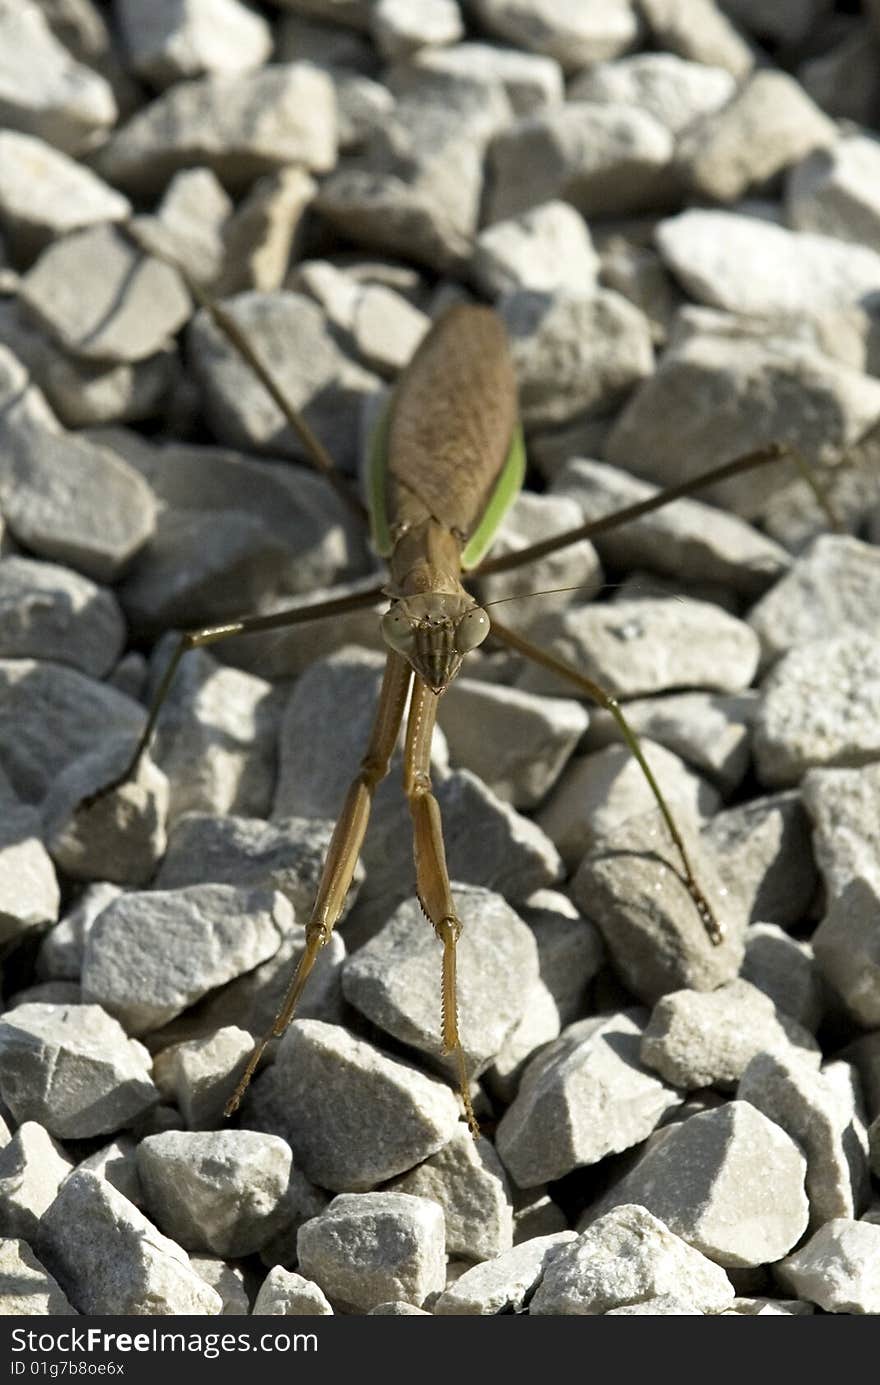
(674, 206)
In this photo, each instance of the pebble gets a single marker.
(191, 225)
(727, 1181)
(576, 35)
(833, 191)
(539, 1026)
(401, 27)
(44, 91)
(820, 706)
(29, 891)
(397, 1309)
(505, 1283)
(117, 1162)
(353, 1116)
(638, 647)
(394, 979)
(362, 107)
(72, 1069)
(765, 857)
(768, 126)
(283, 1293)
(842, 805)
(52, 484)
(259, 238)
(699, 31)
(829, 587)
(846, 948)
(585, 1096)
(198, 1076)
(83, 713)
(226, 1280)
(676, 92)
(102, 298)
(533, 737)
(308, 366)
(547, 249)
(686, 539)
(26, 1287)
(707, 1039)
(838, 1268)
(605, 160)
(529, 80)
(629, 1257)
(570, 950)
(630, 886)
(786, 971)
(599, 792)
(44, 194)
(814, 1111)
(60, 954)
(111, 1259)
(659, 1305)
(49, 612)
(174, 41)
(468, 1181)
(221, 1191)
(238, 126)
(368, 1248)
(712, 399)
(178, 946)
(32, 1169)
(574, 353)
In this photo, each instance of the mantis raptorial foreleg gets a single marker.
(604, 699)
(345, 846)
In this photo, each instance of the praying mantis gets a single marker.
(447, 460)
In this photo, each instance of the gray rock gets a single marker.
(819, 706)
(598, 793)
(238, 126)
(813, 1109)
(874, 1134)
(103, 299)
(353, 1116)
(788, 22)
(660, 1304)
(843, 79)
(261, 235)
(699, 31)
(576, 35)
(49, 612)
(630, 886)
(786, 971)
(468, 1181)
(226, 1280)
(52, 485)
(505, 1283)
(283, 1293)
(707, 1040)
(864, 1054)
(32, 1168)
(171, 41)
(44, 91)
(545, 250)
(626, 1258)
(847, 948)
(674, 91)
(44, 194)
(111, 1259)
(26, 1286)
(536, 1215)
(605, 160)
(396, 1308)
(833, 191)
(516, 742)
(190, 225)
(727, 1181)
(60, 954)
(530, 80)
(394, 979)
(198, 1076)
(647, 645)
(574, 353)
(538, 1027)
(369, 1247)
(72, 1069)
(583, 1097)
(151, 954)
(570, 950)
(686, 539)
(721, 155)
(117, 1162)
(308, 365)
(831, 586)
(29, 892)
(842, 805)
(401, 27)
(837, 1268)
(764, 857)
(222, 1191)
(362, 107)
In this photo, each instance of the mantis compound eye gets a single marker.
(397, 632)
(471, 630)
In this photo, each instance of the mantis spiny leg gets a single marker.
(342, 855)
(598, 694)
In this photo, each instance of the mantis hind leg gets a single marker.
(604, 699)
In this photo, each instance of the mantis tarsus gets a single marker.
(447, 461)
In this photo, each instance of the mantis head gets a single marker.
(433, 631)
